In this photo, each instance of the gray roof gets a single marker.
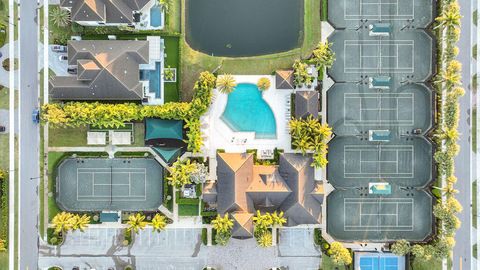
(243, 188)
(306, 103)
(107, 70)
(108, 11)
(303, 206)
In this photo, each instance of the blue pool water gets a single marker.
(378, 263)
(246, 110)
(156, 16)
(153, 77)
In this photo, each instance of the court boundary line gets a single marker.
(380, 16)
(378, 42)
(378, 201)
(364, 96)
(377, 148)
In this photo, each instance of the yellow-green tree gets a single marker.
(323, 56)
(159, 222)
(263, 83)
(265, 239)
(222, 224)
(226, 83)
(136, 222)
(78, 222)
(62, 222)
(340, 255)
(180, 172)
(278, 219)
(2, 245)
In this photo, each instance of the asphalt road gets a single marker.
(29, 138)
(462, 252)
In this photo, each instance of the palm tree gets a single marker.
(159, 222)
(278, 219)
(79, 222)
(323, 56)
(62, 222)
(223, 224)
(226, 83)
(450, 16)
(60, 17)
(222, 238)
(263, 83)
(136, 222)
(262, 222)
(265, 240)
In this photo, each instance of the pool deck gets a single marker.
(217, 135)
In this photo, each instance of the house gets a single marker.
(143, 14)
(243, 188)
(124, 70)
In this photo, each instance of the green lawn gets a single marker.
(474, 130)
(474, 204)
(4, 152)
(171, 89)
(77, 136)
(187, 210)
(53, 158)
(194, 62)
(58, 137)
(426, 265)
(58, 35)
(173, 17)
(4, 260)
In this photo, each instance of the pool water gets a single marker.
(247, 111)
(156, 16)
(153, 77)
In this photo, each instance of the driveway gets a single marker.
(54, 63)
(140, 263)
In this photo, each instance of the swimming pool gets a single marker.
(156, 16)
(153, 77)
(247, 111)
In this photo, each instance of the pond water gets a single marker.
(244, 27)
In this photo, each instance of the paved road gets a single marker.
(29, 139)
(462, 253)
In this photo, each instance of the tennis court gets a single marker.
(398, 56)
(378, 261)
(95, 184)
(401, 13)
(354, 161)
(357, 214)
(354, 109)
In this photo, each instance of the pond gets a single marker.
(244, 28)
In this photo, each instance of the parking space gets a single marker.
(178, 242)
(297, 242)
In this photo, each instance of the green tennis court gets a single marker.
(354, 161)
(354, 109)
(95, 184)
(356, 214)
(401, 13)
(405, 56)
